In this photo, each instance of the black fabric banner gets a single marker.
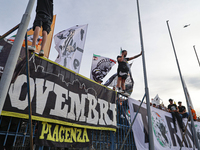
(60, 96)
(5, 48)
(53, 135)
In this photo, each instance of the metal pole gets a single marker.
(132, 122)
(186, 97)
(150, 129)
(9, 32)
(14, 54)
(196, 55)
(28, 91)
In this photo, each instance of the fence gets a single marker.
(15, 136)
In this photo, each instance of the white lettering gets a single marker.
(40, 96)
(113, 109)
(103, 111)
(58, 111)
(19, 99)
(92, 106)
(15, 92)
(80, 106)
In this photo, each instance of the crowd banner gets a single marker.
(165, 136)
(70, 46)
(5, 47)
(61, 96)
(54, 135)
(100, 67)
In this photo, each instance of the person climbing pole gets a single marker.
(123, 70)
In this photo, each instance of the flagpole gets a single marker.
(150, 129)
(9, 32)
(28, 92)
(196, 55)
(14, 54)
(184, 89)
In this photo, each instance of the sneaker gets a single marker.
(31, 48)
(119, 90)
(41, 53)
(126, 94)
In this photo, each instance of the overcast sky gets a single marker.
(113, 24)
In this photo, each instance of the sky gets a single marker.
(114, 23)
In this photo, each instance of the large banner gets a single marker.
(54, 135)
(5, 48)
(70, 46)
(60, 96)
(100, 67)
(165, 137)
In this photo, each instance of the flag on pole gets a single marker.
(121, 51)
(70, 46)
(100, 67)
(30, 33)
(156, 100)
(112, 81)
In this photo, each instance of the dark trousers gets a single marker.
(175, 115)
(185, 115)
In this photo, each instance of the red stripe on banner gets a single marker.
(113, 61)
(157, 114)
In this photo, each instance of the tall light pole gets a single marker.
(196, 55)
(14, 54)
(12, 61)
(184, 89)
(150, 129)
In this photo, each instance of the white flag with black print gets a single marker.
(100, 67)
(156, 100)
(70, 46)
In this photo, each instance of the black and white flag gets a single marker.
(70, 46)
(100, 67)
(156, 100)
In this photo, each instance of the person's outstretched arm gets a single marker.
(120, 59)
(135, 56)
